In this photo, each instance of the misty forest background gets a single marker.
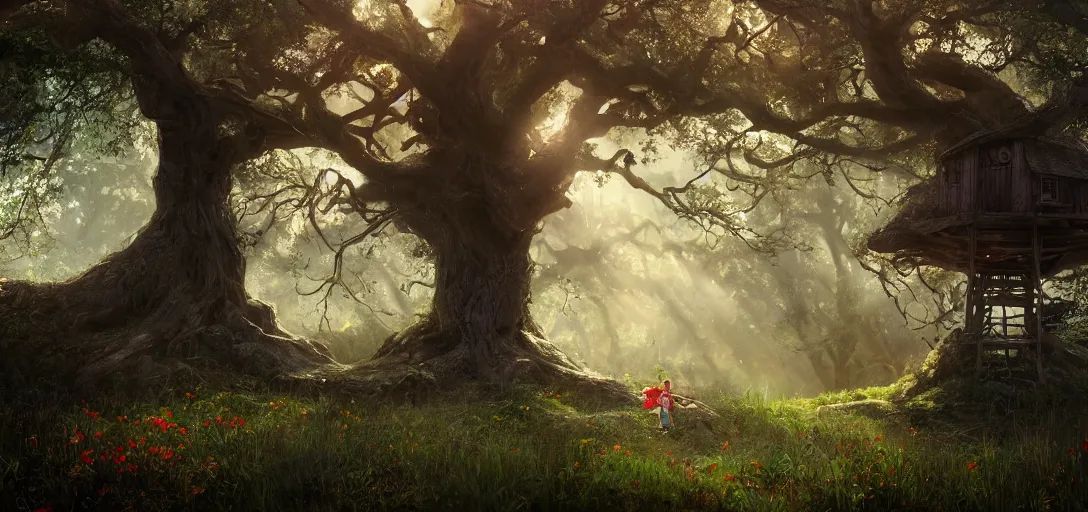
(622, 284)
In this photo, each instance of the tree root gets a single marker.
(55, 334)
(419, 364)
(126, 350)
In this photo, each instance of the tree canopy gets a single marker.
(466, 122)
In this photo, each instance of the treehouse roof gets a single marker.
(919, 231)
(1064, 157)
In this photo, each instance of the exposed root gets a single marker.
(118, 344)
(82, 347)
(419, 362)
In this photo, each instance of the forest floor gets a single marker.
(203, 449)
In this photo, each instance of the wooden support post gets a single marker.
(1037, 282)
(972, 284)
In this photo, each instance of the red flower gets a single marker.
(1084, 446)
(729, 477)
(879, 438)
(725, 446)
(154, 450)
(131, 443)
(47, 508)
(98, 435)
(169, 454)
(972, 466)
(712, 467)
(169, 414)
(891, 470)
(85, 457)
(206, 423)
(634, 484)
(183, 431)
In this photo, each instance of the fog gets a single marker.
(622, 285)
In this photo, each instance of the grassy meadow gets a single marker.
(532, 449)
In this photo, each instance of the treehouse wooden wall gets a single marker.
(994, 178)
(1080, 195)
(1005, 185)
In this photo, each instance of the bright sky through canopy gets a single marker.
(423, 10)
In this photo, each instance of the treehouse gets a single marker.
(1008, 211)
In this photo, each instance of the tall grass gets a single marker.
(527, 451)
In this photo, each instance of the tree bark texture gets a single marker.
(176, 294)
(479, 325)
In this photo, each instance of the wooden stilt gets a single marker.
(1004, 321)
(1037, 283)
(969, 315)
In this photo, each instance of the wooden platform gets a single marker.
(1003, 242)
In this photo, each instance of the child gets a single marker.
(661, 398)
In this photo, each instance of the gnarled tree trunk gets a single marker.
(185, 266)
(479, 325)
(480, 311)
(176, 294)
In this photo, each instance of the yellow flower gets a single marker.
(585, 441)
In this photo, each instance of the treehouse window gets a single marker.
(1049, 190)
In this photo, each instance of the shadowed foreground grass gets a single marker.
(205, 450)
